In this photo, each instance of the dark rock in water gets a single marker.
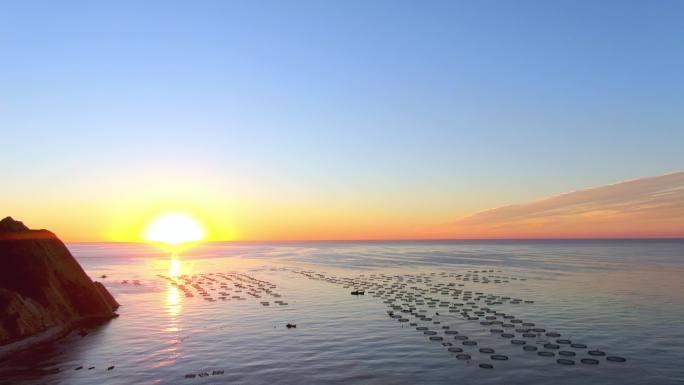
(43, 288)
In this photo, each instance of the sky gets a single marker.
(336, 119)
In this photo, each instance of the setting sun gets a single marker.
(174, 229)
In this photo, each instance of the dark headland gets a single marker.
(44, 292)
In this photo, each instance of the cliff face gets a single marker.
(42, 286)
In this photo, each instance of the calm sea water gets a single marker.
(195, 318)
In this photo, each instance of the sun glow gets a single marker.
(174, 229)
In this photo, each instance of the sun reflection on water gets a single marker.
(174, 267)
(172, 307)
(173, 303)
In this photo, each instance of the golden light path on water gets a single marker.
(173, 302)
(173, 297)
(174, 267)
(172, 308)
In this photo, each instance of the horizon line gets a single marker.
(676, 238)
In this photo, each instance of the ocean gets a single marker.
(426, 312)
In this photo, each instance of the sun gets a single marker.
(174, 229)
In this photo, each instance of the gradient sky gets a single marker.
(330, 120)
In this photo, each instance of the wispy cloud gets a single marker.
(648, 207)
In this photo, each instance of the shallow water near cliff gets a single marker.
(217, 313)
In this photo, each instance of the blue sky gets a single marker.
(427, 107)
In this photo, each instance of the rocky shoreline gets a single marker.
(44, 292)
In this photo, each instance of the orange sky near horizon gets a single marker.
(641, 208)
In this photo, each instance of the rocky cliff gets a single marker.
(42, 286)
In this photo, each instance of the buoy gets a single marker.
(596, 353)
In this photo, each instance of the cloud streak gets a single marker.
(645, 207)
